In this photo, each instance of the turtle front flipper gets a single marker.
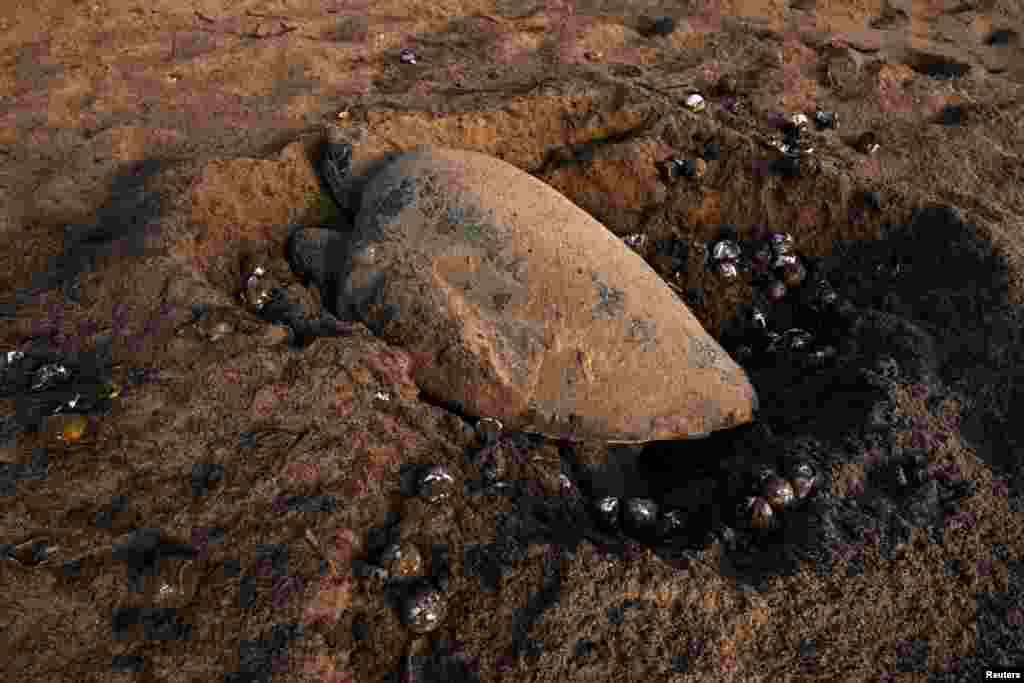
(336, 167)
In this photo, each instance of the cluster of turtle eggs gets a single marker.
(772, 257)
(640, 517)
(777, 270)
(674, 168)
(423, 608)
(424, 602)
(773, 494)
(793, 144)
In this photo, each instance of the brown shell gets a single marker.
(503, 320)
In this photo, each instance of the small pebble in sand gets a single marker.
(662, 26)
(725, 249)
(803, 479)
(636, 242)
(424, 610)
(700, 168)
(867, 143)
(695, 103)
(65, 428)
(259, 290)
(673, 169)
(640, 514)
(607, 512)
(778, 492)
(402, 559)
(799, 121)
(1002, 36)
(110, 390)
(436, 484)
(952, 115)
(687, 168)
(783, 260)
(793, 339)
(825, 119)
(671, 522)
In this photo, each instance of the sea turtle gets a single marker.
(563, 332)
